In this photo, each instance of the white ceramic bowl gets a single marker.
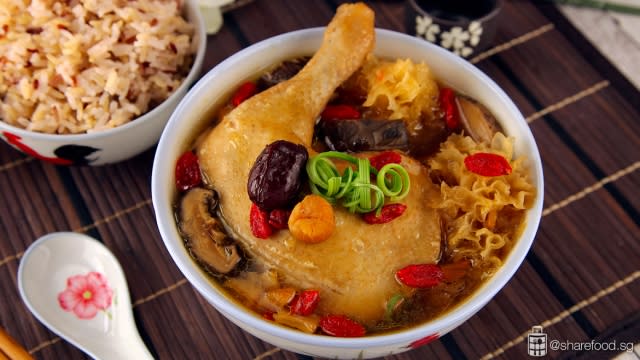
(119, 143)
(216, 86)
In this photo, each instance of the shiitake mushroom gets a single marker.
(204, 234)
(363, 134)
(476, 120)
(286, 70)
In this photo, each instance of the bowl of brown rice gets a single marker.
(86, 82)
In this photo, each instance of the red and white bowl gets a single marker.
(119, 143)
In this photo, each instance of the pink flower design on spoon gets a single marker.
(85, 295)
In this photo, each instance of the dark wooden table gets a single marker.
(580, 281)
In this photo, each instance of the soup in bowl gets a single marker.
(347, 192)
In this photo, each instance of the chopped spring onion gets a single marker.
(354, 188)
(392, 305)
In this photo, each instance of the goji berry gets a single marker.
(384, 158)
(388, 213)
(187, 171)
(305, 303)
(340, 112)
(455, 271)
(259, 221)
(487, 164)
(449, 108)
(244, 92)
(341, 326)
(279, 218)
(420, 275)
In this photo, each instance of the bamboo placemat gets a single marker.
(579, 282)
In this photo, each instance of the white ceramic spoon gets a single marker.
(75, 286)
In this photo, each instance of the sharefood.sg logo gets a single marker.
(537, 341)
(538, 344)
